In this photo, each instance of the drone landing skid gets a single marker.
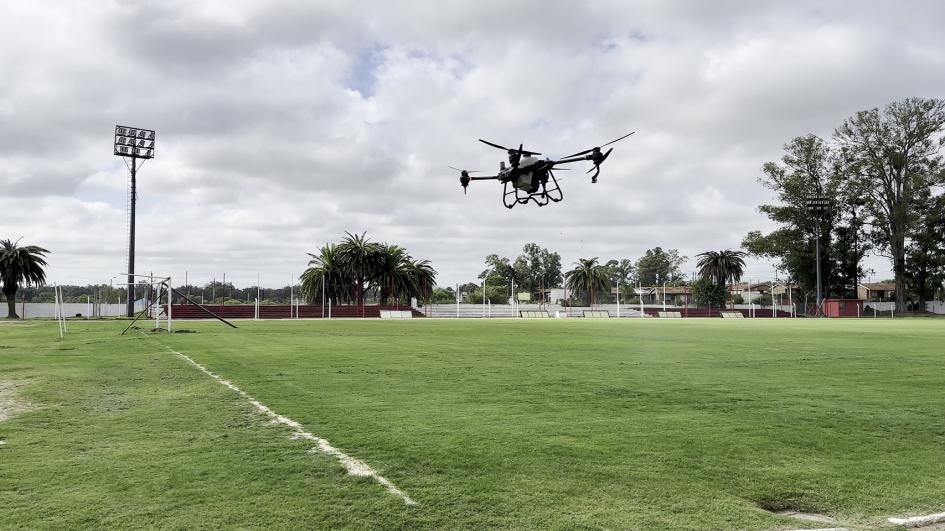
(550, 192)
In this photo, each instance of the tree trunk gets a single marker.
(898, 249)
(11, 302)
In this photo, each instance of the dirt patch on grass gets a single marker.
(9, 406)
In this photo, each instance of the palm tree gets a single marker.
(588, 276)
(392, 273)
(325, 268)
(722, 266)
(20, 264)
(422, 278)
(358, 256)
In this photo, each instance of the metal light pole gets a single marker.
(818, 206)
(136, 144)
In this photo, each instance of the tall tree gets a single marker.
(358, 256)
(325, 273)
(20, 264)
(422, 278)
(657, 267)
(537, 267)
(925, 253)
(622, 273)
(589, 277)
(392, 274)
(807, 169)
(892, 157)
(498, 266)
(722, 267)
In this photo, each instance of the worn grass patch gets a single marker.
(486, 424)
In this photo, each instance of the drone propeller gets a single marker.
(599, 161)
(597, 148)
(519, 150)
(464, 177)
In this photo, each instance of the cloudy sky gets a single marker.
(281, 124)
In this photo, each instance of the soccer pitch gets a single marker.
(485, 424)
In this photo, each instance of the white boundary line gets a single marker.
(918, 521)
(355, 467)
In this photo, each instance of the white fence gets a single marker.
(554, 310)
(935, 307)
(505, 310)
(34, 310)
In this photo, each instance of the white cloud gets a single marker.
(283, 124)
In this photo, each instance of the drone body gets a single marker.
(529, 179)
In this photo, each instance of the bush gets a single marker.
(738, 299)
(706, 293)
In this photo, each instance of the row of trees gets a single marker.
(883, 176)
(717, 269)
(347, 271)
(538, 269)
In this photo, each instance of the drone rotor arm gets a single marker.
(586, 151)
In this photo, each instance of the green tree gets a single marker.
(358, 257)
(807, 169)
(588, 277)
(499, 266)
(622, 273)
(925, 253)
(20, 264)
(892, 158)
(392, 273)
(443, 295)
(722, 267)
(707, 292)
(325, 271)
(657, 267)
(422, 278)
(537, 267)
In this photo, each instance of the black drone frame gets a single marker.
(549, 190)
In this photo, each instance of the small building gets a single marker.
(843, 307)
(876, 291)
(670, 295)
(755, 290)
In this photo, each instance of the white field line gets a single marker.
(355, 467)
(918, 521)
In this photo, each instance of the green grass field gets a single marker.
(559, 424)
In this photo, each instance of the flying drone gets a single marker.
(530, 179)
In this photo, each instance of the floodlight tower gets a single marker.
(134, 143)
(818, 206)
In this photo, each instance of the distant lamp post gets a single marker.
(134, 143)
(817, 206)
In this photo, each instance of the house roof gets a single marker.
(879, 286)
(658, 290)
(758, 286)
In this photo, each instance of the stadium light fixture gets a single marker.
(134, 143)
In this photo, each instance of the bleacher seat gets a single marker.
(596, 314)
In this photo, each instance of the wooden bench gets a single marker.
(532, 314)
(732, 315)
(597, 314)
